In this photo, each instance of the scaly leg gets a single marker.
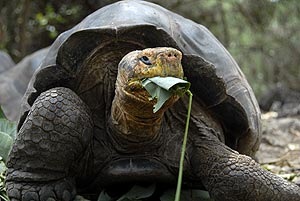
(46, 155)
(230, 176)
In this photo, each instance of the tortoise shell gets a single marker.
(6, 62)
(14, 82)
(85, 59)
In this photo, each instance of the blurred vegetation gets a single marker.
(262, 35)
(7, 135)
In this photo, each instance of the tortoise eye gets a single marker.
(145, 60)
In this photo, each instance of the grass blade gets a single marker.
(179, 181)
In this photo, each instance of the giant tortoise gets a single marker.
(88, 124)
(6, 62)
(14, 82)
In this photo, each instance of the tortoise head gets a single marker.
(132, 110)
(150, 62)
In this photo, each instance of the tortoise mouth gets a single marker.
(135, 90)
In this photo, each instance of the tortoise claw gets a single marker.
(59, 190)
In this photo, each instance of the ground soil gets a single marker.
(280, 148)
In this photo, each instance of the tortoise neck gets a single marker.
(134, 120)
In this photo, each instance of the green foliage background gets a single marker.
(7, 135)
(262, 35)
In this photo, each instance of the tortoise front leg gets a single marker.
(55, 136)
(231, 176)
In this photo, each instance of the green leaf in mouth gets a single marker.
(162, 88)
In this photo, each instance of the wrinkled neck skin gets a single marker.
(133, 120)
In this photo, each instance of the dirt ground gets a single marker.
(280, 148)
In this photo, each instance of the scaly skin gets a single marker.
(53, 139)
(54, 144)
(230, 176)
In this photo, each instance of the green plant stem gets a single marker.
(179, 181)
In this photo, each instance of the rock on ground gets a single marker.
(280, 148)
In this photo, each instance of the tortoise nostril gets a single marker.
(171, 55)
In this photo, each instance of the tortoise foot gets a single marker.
(53, 144)
(231, 176)
(62, 190)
